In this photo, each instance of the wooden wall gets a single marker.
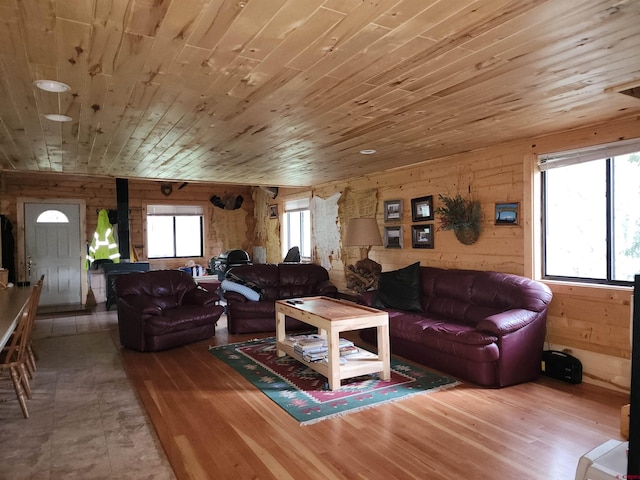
(592, 322)
(489, 176)
(224, 229)
(267, 231)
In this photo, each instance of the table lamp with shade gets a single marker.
(363, 233)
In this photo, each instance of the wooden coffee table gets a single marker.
(332, 316)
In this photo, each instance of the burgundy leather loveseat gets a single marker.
(484, 327)
(162, 309)
(276, 282)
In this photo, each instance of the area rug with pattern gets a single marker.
(304, 394)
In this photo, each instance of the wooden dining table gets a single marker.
(13, 301)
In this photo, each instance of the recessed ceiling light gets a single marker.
(367, 152)
(56, 117)
(52, 86)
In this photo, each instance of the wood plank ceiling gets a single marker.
(287, 92)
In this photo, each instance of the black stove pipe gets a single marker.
(122, 195)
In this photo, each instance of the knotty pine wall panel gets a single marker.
(491, 176)
(224, 229)
(267, 231)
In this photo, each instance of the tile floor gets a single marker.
(85, 419)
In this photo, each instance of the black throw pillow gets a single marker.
(400, 289)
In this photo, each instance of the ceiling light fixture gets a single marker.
(368, 151)
(52, 86)
(56, 117)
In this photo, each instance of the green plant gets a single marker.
(462, 216)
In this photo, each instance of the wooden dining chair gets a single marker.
(31, 356)
(14, 355)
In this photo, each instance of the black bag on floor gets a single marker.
(561, 365)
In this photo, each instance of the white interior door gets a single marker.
(52, 249)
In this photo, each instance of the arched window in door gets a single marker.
(52, 216)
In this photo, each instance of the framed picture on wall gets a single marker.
(422, 208)
(273, 211)
(422, 236)
(393, 237)
(392, 210)
(507, 213)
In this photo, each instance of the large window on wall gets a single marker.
(591, 214)
(174, 231)
(296, 227)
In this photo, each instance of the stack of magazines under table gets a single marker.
(313, 347)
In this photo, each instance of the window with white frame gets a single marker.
(591, 214)
(296, 227)
(174, 231)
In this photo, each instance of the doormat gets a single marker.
(304, 393)
(54, 311)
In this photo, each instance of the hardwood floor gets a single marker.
(214, 425)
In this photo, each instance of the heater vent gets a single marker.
(632, 92)
(631, 89)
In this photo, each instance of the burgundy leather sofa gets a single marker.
(161, 309)
(277, 282)
(487, 328)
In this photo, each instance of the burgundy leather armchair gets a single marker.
(161, 309)
(284, 280)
